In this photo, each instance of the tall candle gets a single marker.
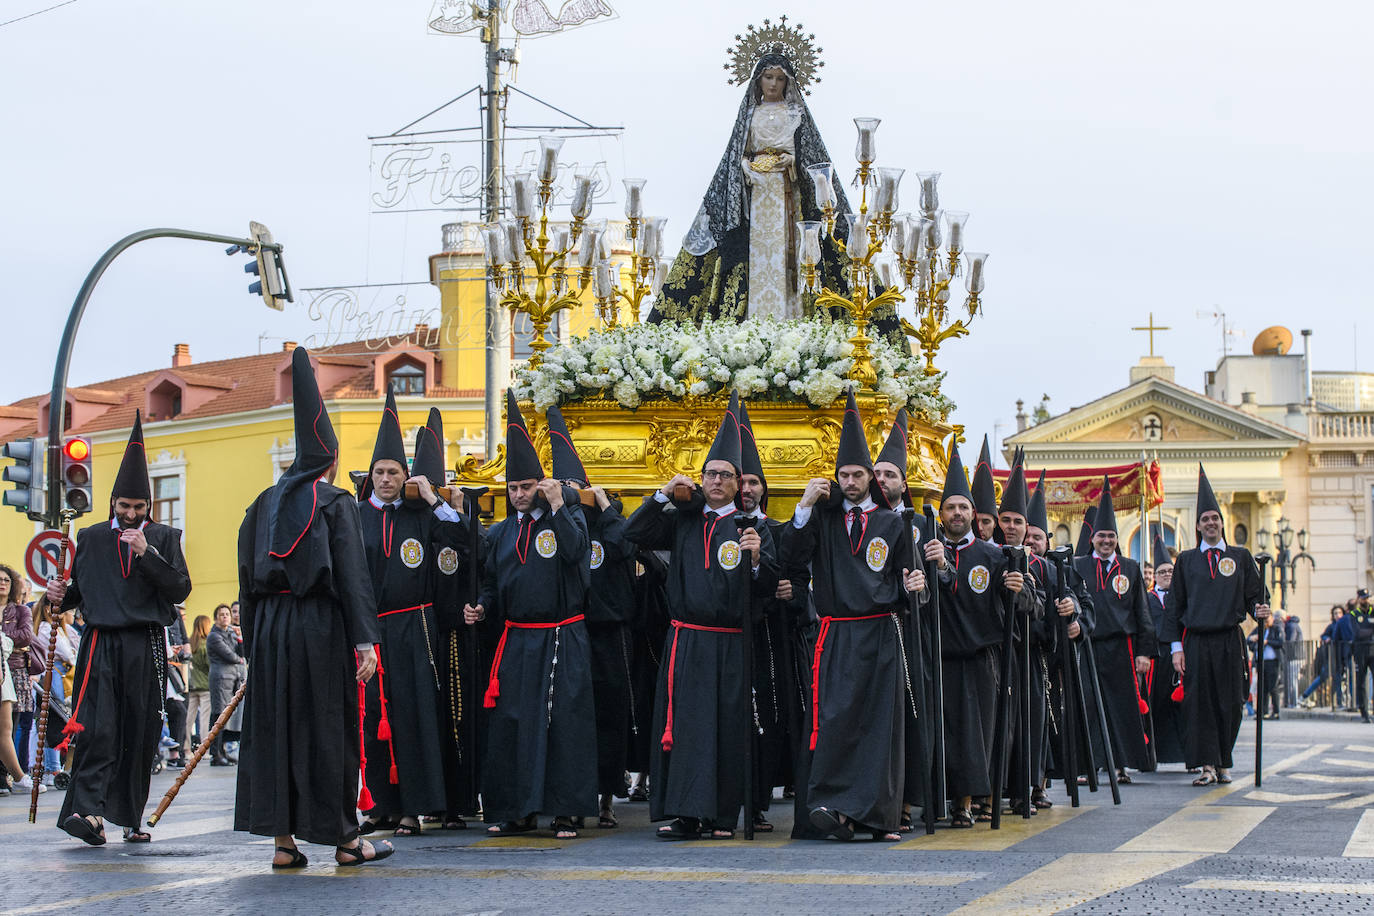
(586, 255)
(634, 198)
(582, 196)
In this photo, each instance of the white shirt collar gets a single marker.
(968, 538)
(727, 509)
(866, 506)
(114, 524)
(1110, 560)
(757, 513)
(537, 513)
(377, 503)
(1219, 545)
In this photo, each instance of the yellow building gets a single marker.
(218, 433)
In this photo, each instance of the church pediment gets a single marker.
(1155, 412)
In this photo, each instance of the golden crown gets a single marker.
(776, 38)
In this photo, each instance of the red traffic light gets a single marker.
(77, 449)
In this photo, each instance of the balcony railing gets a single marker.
(1342, 426)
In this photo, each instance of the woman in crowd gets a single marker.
(8, 758)
(18, 626)
(226, 653)
(198, 695)
(64, 657)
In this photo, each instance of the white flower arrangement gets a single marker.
(767, 359)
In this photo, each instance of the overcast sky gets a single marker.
(1117, 159)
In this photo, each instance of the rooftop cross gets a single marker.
(1151, 327)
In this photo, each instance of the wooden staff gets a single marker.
(1263, 629)
(205, 745)
(36, 771)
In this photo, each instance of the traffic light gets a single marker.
(267, 266)
(76, 475)
(28, 472)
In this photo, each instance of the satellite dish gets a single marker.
(1275, 341)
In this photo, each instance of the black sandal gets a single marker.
(510, 828)
(405, 830)
(761, 824)
(961, 817)
(1040, 799)
(883, 837)
(1122, 779)
(77, 826)
(680, 829)
(830, 823)
(134, 835)
(563, 828)
(606, 821)
(904, 825)
(356, 856)
(454, 823)
(710, 831)
(298, 859)
(370, 825)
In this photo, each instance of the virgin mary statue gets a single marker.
(739, 260)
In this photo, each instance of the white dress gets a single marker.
(773, 127)
(7, 693)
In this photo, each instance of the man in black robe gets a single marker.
(1045, 639)
(403, 538)
(541, 733)
(890, 475)
(128, 576)
(1215, 585)
(1166, 711)
(702, 710)
(859, 553)
(309, 627)
(976, 592)
(610, 604)
(984, 496)
(782, 645)
(452, 575)
(1123, 641)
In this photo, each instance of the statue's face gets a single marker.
(773, 83)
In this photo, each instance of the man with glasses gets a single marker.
(702, 711)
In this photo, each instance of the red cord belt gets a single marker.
(494, 683)
(678, 626)
(404, 610)
(816, 668)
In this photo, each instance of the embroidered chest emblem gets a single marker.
(876, 554)
(1121, 584)
(727, 555)
(598, 554)
(978, 578)
(448, 561)
(412, 554)
(545, 544)
(1226, 566)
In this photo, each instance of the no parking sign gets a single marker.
(40, 559)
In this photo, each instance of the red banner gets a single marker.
(1073, 490)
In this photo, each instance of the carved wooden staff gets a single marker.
(45, 611)
(1263, 629)
(206, 743)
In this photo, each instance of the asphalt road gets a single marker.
(1303, 843)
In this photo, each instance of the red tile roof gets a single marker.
(247, 383)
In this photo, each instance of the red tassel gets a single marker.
(62, 748)
(384, 729)
(395, 779)
(1144, 707)
(365, 802)
(73, 727)
(1177, 695)
(493, 691)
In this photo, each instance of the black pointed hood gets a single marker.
(726, 446)
(389, 445)
(1014, 498)
(1085, 533)
(984, 493)
(1106, 513)
(430, 461)
(522, 461)
(749, 452)
(853, 447)
(566, 465)
(293, 500)
(895, 453)
(132, 480)
(956, 480)
(1036, 516)
(1160, 552)
(1206, 499)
